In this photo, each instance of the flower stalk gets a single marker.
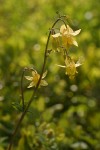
(25, 109)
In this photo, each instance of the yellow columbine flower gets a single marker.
(35, 78)
(67, 35)
(70, 67)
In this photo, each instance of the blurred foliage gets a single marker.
(66, 114)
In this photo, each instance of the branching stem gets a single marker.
(25, 109)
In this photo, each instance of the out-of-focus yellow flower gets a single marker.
(35, 78)
(67, 35)
(70, 67)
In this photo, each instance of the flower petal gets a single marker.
(43, 83)
(75, 43)
(68, 60)
(31, 85)
(29, 78)
(76, 32)
(69, 29)
(34, 73)
(61, 66)
(81, 60)
(56, 35)
(62, 28)
(44, 74)
(77, 64)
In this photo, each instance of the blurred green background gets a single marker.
(66, 114)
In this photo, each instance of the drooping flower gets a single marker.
(67, 36)
(35, 78)
(70, 67)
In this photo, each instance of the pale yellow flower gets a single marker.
(68, 36)
(70, 67)
(35, 78)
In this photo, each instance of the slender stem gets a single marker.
(21, 88)
(35, 91)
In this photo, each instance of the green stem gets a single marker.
(35, 91)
